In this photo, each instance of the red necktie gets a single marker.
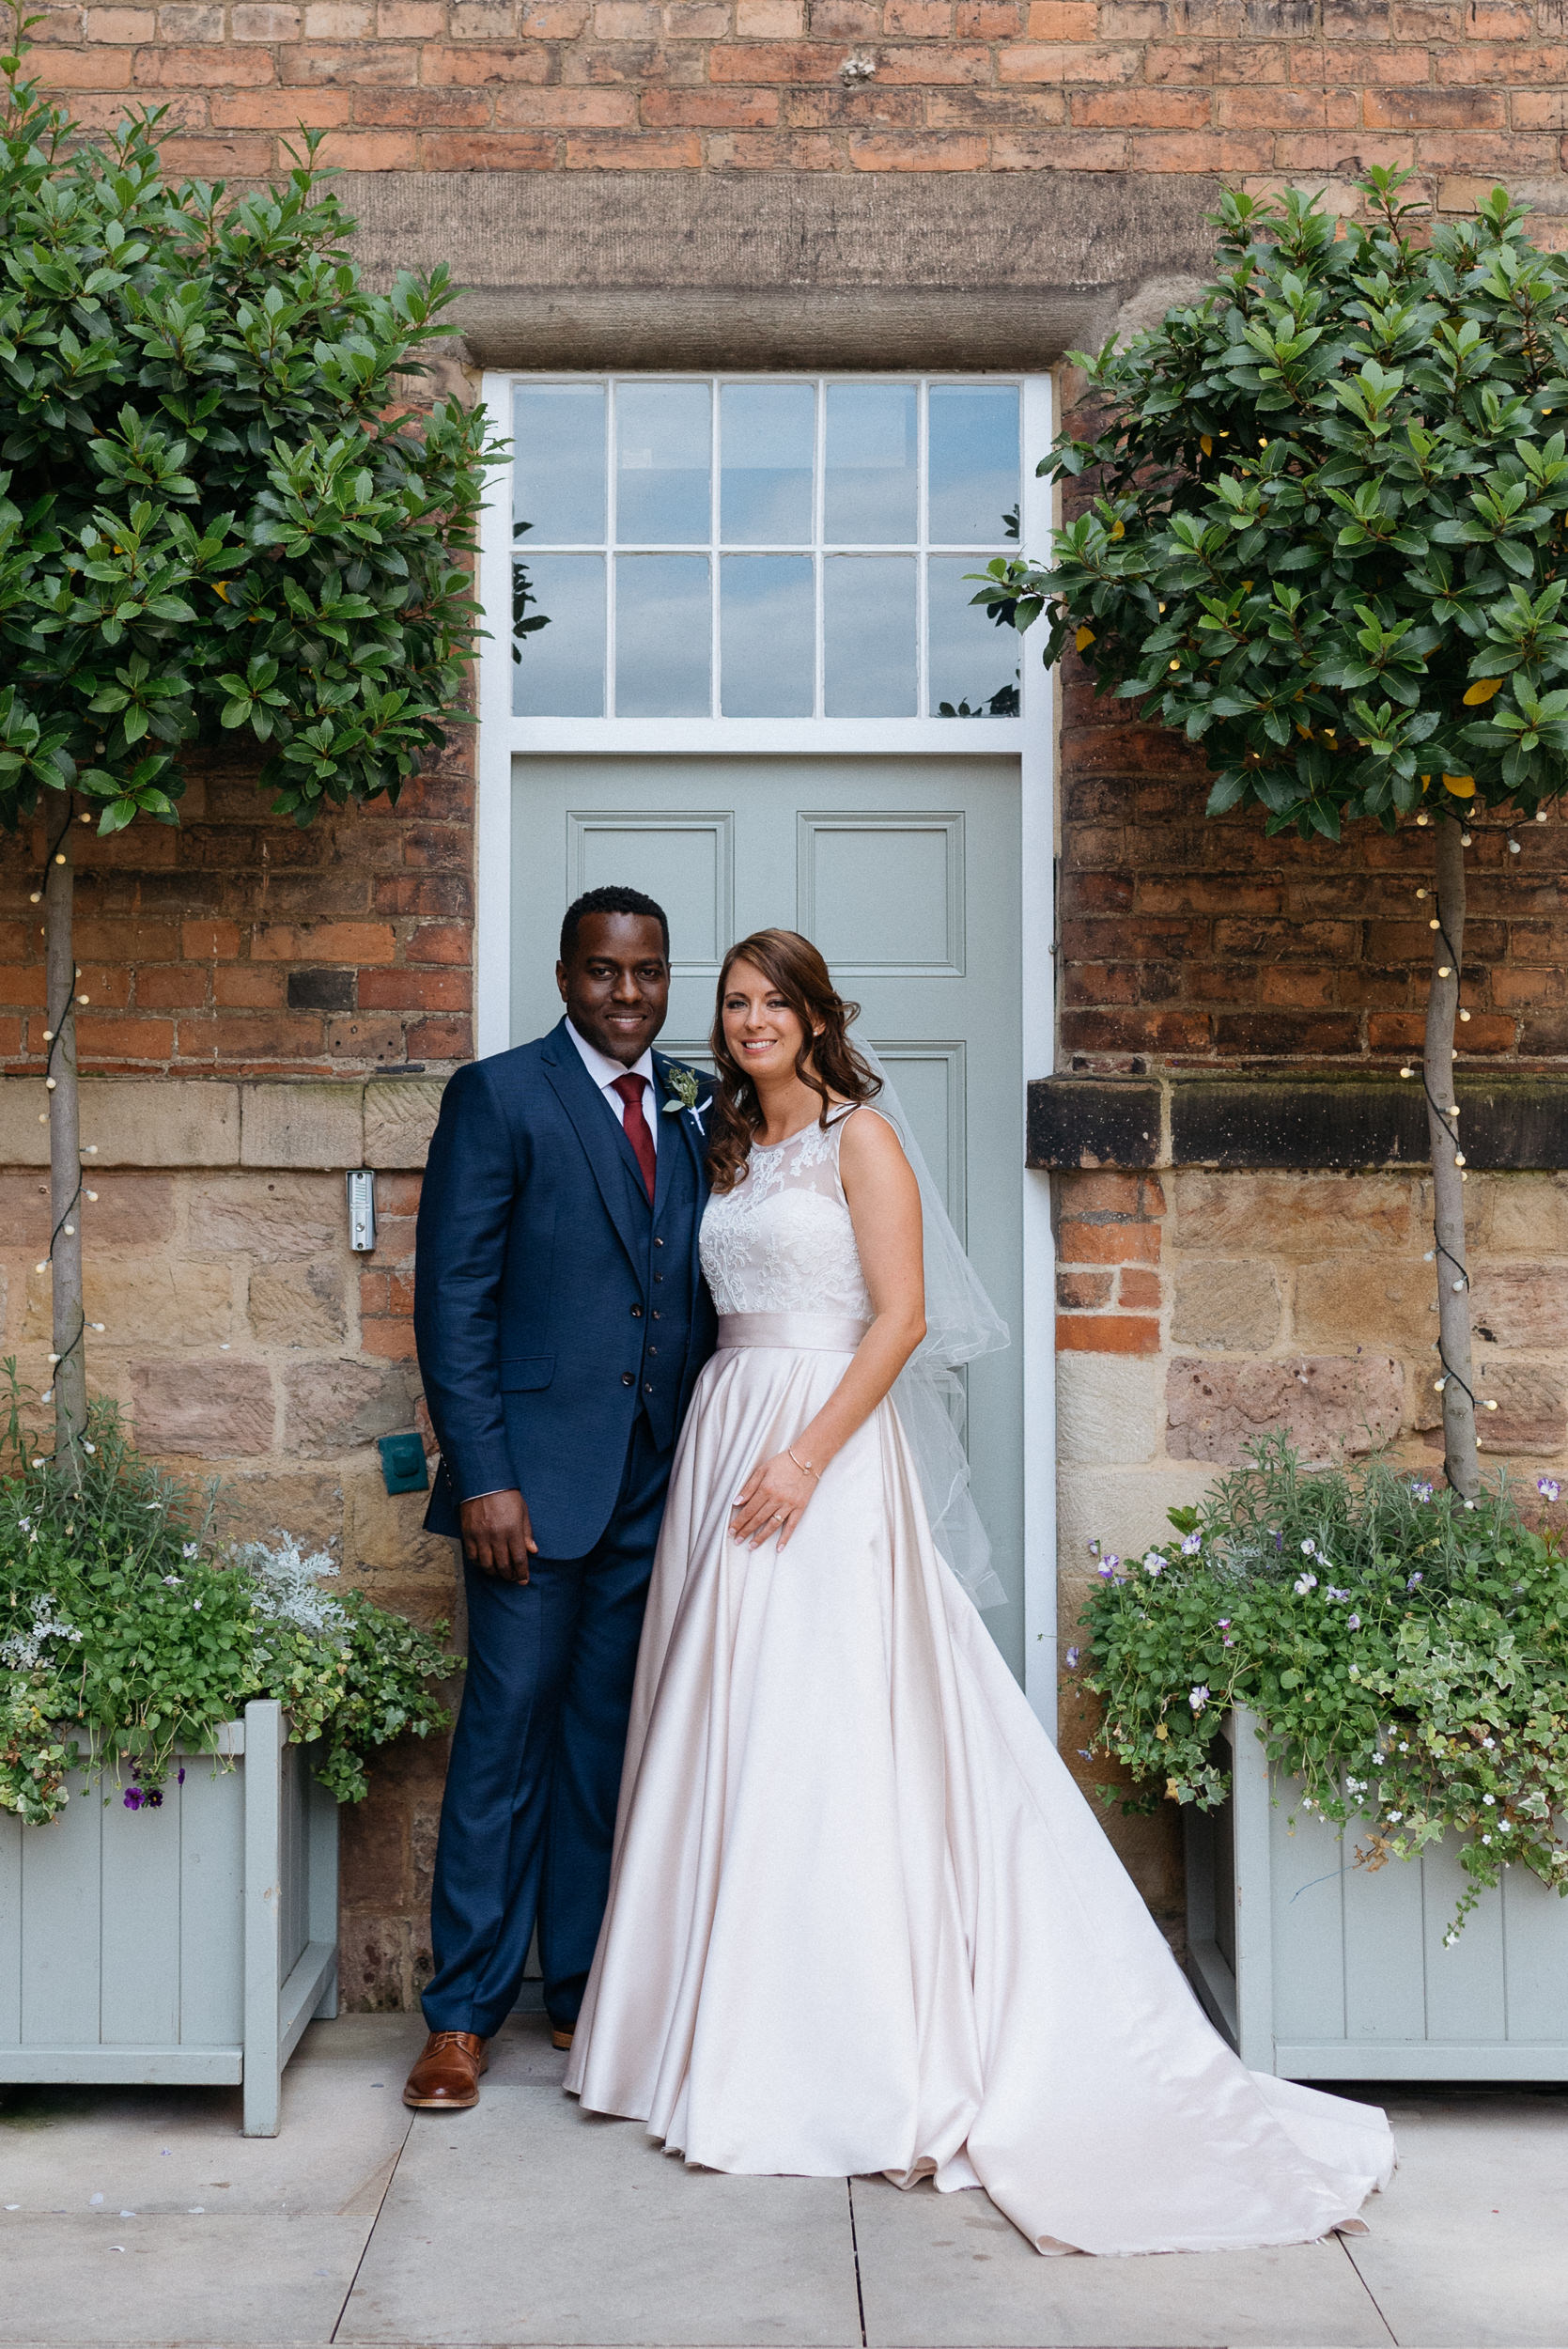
(631, 1090)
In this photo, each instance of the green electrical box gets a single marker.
(403, 1464)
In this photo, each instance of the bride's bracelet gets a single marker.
(804, 1466)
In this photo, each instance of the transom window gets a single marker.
(742, 548)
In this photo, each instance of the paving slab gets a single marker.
(104, 2281)
(1467, 2245)
(943, 2271)
(529, 2221)
(80, 2150)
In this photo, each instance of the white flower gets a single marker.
(173, 1580)
(1095, 1546)
(1394, 1817)
(1154, 1563)
(1487, 1839)
(1488, 1742)
(189, 1550)
(196, 1604)
(1308, 1547)
(1192, 1545)
(1198, 1698)
(1489, 1798)
(1548, 1487)
(1303, 1583)
(1353, 1623)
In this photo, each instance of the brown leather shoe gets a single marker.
(447, 2074)
(560, 2034)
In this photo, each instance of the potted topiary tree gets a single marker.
(219, 517)
(1327, 542)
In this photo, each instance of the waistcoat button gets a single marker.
(629, 1378)
(647, 1390)
(637, 1312)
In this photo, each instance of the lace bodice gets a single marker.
(781, 1241)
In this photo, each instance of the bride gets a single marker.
(860, 1918)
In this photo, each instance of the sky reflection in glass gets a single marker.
(971, 662)
(662, 628)
(869, 631)
(662, 489)
(767, 455)
(872, 490)
(560, 673)
(558, 477)
(972, 463)
(767, 635)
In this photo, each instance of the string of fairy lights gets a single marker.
(1444, 1112)
(57, 1015)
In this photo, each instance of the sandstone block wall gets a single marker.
(1197, 1309)
(1463, 90)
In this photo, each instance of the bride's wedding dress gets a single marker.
(861, 1918)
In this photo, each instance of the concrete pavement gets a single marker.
(141, 2219)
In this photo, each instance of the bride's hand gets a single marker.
(771, 1500)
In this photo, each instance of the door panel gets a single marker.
(906, 874)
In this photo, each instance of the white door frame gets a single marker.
(1029, 737)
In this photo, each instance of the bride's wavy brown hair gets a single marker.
(826, 1061)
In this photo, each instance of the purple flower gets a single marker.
(1154, 1563)
(1353, 1623)
(1414, 1580)
(1548, 1487)
(1106, 1569)
(132, 1799)
(1420, 1491)
(1095, 1546)
(1071, 1659)
(1223, 1625)
(1192, 1545)
(181, 1780)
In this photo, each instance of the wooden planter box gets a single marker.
(187, 1944)
(1317, 1969)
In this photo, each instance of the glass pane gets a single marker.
(663, 490)
(663, 624)
(767, 635)
(869, 625)
(558, 464)
(559, 667)
(872, 441)
(972, 464)
(974, 664)
(767, 441)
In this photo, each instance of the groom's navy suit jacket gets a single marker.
(551, 1302)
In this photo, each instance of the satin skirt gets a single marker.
(862, 1919)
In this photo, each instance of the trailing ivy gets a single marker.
(1406, 1657)
(130, 1633)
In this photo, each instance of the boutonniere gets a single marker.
(684, 1095)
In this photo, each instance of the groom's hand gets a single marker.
(497, 1535)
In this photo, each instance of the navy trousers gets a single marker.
(529, 1812)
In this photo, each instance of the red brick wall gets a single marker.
(1186, 941)
(235, 943)
(1243, 88)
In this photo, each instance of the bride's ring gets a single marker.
(779, 1516)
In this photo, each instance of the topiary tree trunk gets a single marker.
(220, 519)
(1455, 1381)
(69, 1359)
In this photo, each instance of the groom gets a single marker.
(561, 1320)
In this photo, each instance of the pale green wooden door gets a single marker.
(905, 871)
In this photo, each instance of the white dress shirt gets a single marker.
(606, 1073)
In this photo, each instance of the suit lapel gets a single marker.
(692, 1141)
(605, 1143)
